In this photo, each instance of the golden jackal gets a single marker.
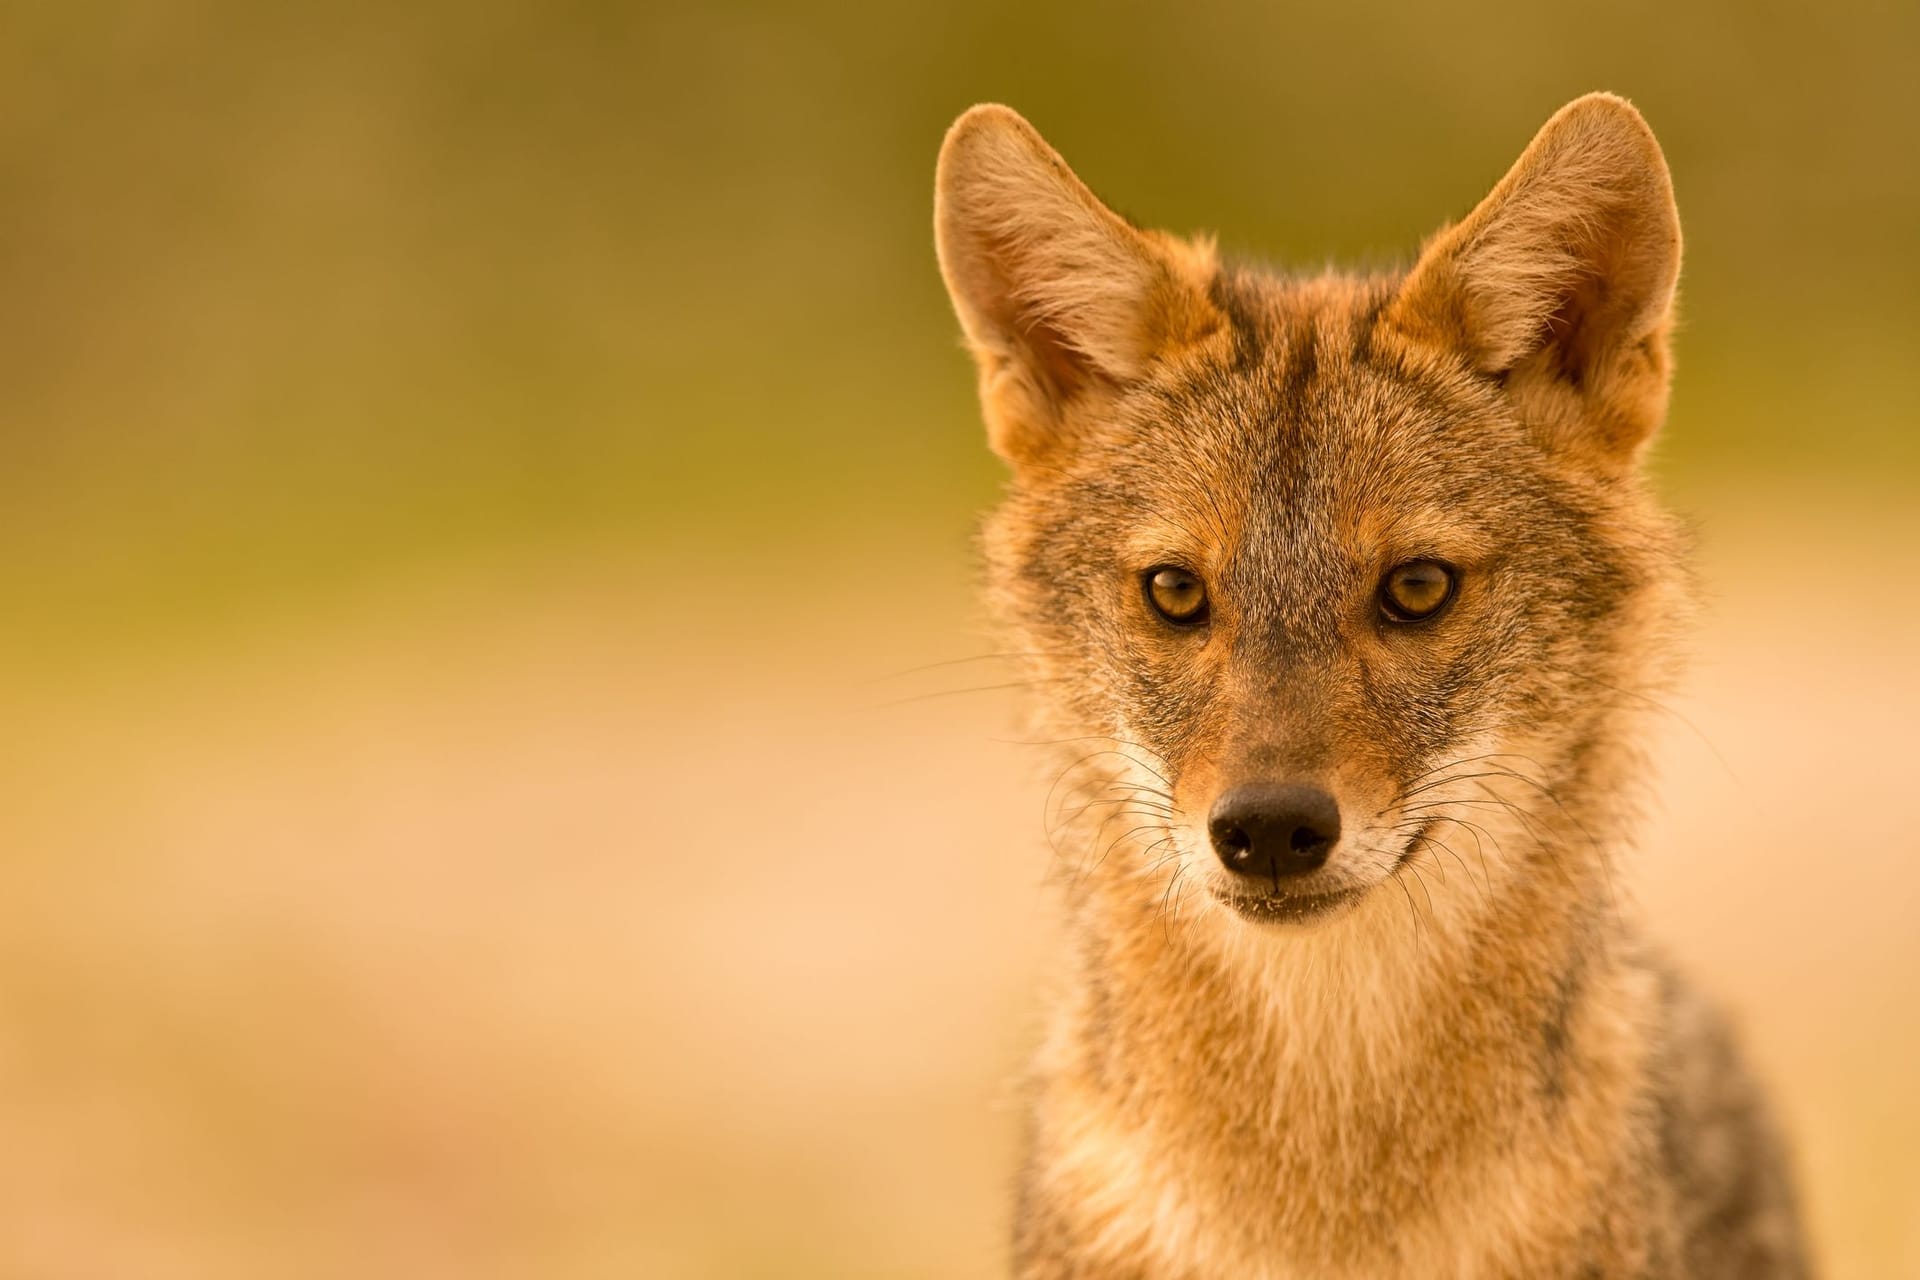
(1345, 593)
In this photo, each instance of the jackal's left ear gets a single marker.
(1059, 295)
(1562, 281)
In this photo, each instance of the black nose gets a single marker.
(1268, 830)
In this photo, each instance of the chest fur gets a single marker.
(1198, 1119)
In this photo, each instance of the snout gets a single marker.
(1272, 832)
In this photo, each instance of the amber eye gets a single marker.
(1415, 590)
(1176, 595)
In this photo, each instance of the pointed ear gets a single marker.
(1059, 296)
(1561, 282)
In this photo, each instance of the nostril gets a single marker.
(1230, 840)
(1307, 840)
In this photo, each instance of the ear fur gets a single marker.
(1059, 296)
(1562, 281)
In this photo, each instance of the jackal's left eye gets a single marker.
(1415, 590)
(1176, 595)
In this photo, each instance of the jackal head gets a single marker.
(1340, 571)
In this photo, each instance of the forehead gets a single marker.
(1312, 442)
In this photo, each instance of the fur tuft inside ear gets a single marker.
(1562, 280)
(1058, 295)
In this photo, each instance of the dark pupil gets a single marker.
(1419, 589)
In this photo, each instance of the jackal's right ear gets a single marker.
(1059, 296)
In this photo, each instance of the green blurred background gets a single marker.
(454, 455)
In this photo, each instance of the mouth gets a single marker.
(1297, 908)
(1306, 908)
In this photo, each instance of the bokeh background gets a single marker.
(480, 484)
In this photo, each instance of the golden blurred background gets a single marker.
(477, 480)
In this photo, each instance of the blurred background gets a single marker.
(480, 484)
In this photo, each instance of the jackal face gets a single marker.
(1337, 570)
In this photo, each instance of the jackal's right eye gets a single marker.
(1416, 590)
(1176, 595)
